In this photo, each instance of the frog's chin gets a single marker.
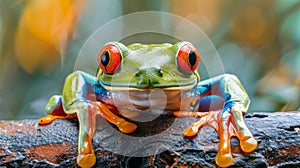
(166, 88)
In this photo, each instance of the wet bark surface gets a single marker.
(158, 143)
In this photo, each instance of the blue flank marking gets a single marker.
(100, 91)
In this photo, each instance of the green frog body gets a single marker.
(162, 77)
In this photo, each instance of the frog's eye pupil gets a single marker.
(192, 58)
(109, 59)
(105, 58)
(188, 59)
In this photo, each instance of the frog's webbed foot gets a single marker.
(227, 123)
(86, 113)
(54, 110)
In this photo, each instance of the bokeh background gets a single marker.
(257, 40)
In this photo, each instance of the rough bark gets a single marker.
(24, 143)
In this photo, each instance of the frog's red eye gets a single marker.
(109, 59)
(188, 58)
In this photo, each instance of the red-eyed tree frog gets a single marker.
(138, 69)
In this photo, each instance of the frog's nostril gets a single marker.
(149, 76)
(152, 71)
(159, 72)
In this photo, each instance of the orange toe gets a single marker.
(86, 161)
(126, 127)
(47, 119)
(248, 145)
(191, 131)
(224, 160)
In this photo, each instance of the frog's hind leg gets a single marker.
(54, 110)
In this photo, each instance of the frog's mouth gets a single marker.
(150, 86)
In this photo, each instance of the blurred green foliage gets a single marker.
(259, 41)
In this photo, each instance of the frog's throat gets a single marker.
(129, 88)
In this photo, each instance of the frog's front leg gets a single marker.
(79, 99)
(228, 121)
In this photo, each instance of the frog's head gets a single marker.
(147, 66)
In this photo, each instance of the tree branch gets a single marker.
(26, 144)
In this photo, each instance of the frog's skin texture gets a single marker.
(137, 70)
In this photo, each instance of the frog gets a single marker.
(124, 81)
